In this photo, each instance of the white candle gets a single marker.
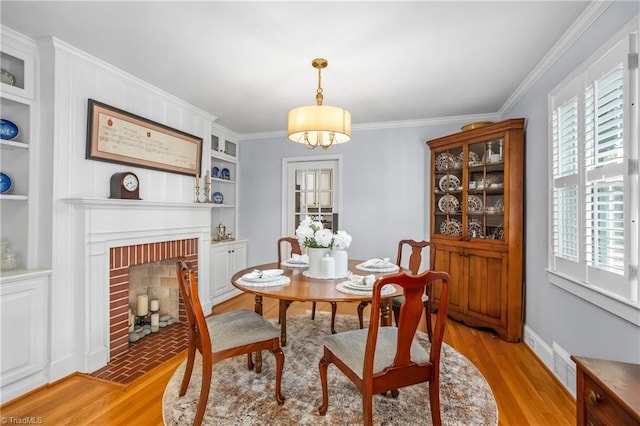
(142, 305)
(132, 321)
(155, 322)
(155, 305)
(207, 178)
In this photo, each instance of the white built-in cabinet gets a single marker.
(229, 254)
(24, 212)
(226, 258)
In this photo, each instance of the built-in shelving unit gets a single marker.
(17, 155)
(224, 180)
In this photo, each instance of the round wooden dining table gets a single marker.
(306, 289)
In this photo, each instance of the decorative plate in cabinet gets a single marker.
(451, 226)
(449, 183)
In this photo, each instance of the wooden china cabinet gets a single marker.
(476, 218)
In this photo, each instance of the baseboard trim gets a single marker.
(554, 359)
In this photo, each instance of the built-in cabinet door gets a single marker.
(238, 259)
(23, 305)
(220, 269)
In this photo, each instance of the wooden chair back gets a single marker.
(197, 324)
(405, 372)
(292, 248)
(415, 259)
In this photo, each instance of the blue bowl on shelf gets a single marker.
(225, 174)
(8, 129)
(5, 183)
(218, 197)
(215, 172)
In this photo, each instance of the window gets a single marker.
(593, 142)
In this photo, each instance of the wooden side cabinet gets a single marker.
(477, 223)
(608, 392)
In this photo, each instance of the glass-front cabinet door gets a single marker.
(469, 188)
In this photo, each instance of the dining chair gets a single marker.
(381, 359)
(415, 260)
(223, 336)
(291, 247)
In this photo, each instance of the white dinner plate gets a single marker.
(268, 275)
(355, 286)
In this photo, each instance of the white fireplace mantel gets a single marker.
(102, 224)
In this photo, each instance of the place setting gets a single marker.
(378, 265)
(297, 261)
(362, 285)
(264, 278)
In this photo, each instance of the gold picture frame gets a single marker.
(117, 136)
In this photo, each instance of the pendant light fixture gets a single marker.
(319, 125)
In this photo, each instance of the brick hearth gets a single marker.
(145, 354)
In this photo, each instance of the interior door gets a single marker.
(312, 189)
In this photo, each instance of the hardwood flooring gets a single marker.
(525, 391)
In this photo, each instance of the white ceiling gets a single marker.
(249, 63)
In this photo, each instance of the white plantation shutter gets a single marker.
(565, 172)
(593, 140)
(604, 159)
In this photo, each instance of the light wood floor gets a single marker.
(526, 393)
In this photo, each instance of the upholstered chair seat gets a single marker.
(238, 328)
(349, 346)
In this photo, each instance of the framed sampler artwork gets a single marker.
(117, 136)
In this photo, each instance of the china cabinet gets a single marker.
(476, 218)
(224, 179)
(227, 258)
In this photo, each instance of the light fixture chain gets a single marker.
(319, 96)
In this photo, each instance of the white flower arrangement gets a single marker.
(312, 234)
(341, 240)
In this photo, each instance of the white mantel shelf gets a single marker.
(142, 204)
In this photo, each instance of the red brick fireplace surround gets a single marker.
(120, 259)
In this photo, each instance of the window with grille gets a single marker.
(593, 145)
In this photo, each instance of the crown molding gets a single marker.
(575, 31)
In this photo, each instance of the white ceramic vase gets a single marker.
(315, 257)
(341, 258)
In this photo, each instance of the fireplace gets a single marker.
(121, 260)
(118, 234)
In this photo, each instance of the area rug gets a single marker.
(242, 397)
